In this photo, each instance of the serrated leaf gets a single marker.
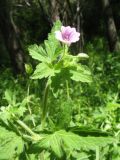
(80, 156)
(81, 74)
(56, 145)
(61, 140)
(38, 53)
(53, 49)
(18, 111)
(90, 143)
(73, 141)
(49, 47)
(46, 55)
(43, 70)
(11, 145)
(51, 36)
(5, 115)
(51, 142)
(52, 45)
(10, 97)
(56, 26)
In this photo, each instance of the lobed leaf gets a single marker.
(11, 145)
(52, 45)
(81, 74)
(61, 140)
(43, 70)
(38, 53)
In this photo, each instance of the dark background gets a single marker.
(25, 22)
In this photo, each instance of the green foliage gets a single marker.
(46, 55)
(14, 108)
(82, 120)
(55, 62)
(43, 70)
(11, 145)
(61, 141)
(64, 114)
(60, 70)
(81, 74)
(38, 53)
(49, 52)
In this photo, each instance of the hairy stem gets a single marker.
(44, 105)
(23, 125)
(29, 109)
(67, 89)
(65, 49)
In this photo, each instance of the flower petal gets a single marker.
(67, 35)
(74, 37)
(65, 29)
(58, 35)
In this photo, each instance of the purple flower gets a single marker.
(67, 35)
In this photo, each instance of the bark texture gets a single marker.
(11, 37)
(110, 26)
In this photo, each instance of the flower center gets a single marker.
(66, 36)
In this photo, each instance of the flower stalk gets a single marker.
(33, 136)
(26, 128)
(67, 89)
(44, 105)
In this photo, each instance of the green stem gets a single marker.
(32, 138)
(29, 109)
(23, 125)
(97, 153)
(67, 88)
(45, 106)
(65, 49)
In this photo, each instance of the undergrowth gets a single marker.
(82, 121)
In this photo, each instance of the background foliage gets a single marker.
(83, 124)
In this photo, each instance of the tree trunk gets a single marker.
(79, 21)
(54, 10)
(11, 37)
(110, 25)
